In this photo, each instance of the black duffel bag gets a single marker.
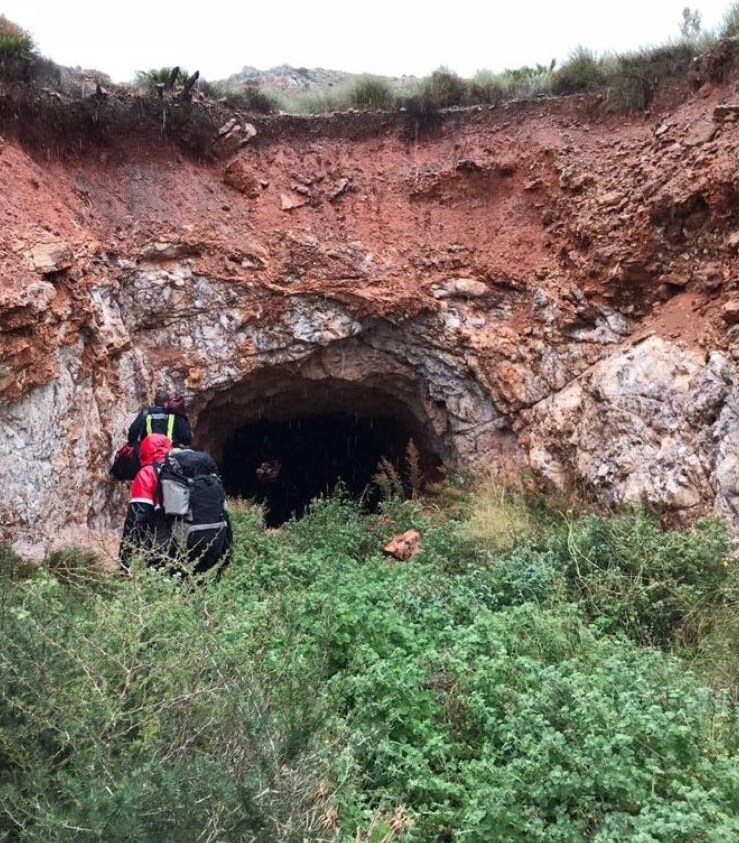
(126, 463)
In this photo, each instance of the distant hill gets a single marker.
(290, 79)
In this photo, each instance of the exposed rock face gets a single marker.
(651, 423)
(542, 285)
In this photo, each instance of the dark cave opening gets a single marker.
(284, 464)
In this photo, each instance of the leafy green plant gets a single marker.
(322, 691)
(631, 575)
(161, 78)
(130, 717)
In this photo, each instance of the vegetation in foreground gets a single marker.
(528, 676)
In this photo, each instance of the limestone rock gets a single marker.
(702, 132)
(51, 255)
(289, 202)
(342, 186)
(541, 278)
(468, 288)
(161, 251)
(638, 426)
(232, 136)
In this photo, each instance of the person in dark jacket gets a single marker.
(147, 529)
(167, 416)
(176, 404)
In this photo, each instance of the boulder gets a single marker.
(403, 546)
(240, 176)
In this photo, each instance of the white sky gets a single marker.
(389, 37)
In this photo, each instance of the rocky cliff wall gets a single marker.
(538, 285)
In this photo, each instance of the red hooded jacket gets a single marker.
(153, 449)
(146, 527)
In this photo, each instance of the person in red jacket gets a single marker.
(146, 528)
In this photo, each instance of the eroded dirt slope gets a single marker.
(501, 278)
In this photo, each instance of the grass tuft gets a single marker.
(499, 516)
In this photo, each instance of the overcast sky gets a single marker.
(389, 37)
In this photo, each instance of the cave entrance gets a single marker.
(286, 464)
(282, 439)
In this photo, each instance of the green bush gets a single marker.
(630, 575)
(321, 101)
(76, 567)
(323, 691)
(14, 41)
(488, 87)
(422, 117)
(445, 88)
(13, 566)
(633, 80)
(372, 92)
(582, 72)
(16, 50)
(244, 97)
(132, 717)
(158, 78)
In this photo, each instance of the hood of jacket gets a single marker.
(154, 448)
(176, 404)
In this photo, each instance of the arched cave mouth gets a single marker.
(286, 464)
(290, 440)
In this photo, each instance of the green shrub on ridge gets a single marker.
(17, 50)
(372, 92)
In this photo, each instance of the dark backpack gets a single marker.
(192, 494)
(126, 462)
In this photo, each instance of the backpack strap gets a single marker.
(157, 466)
(147, 423)
(193, 528)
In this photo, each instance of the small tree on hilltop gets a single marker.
(690, 25)
(16, 49)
